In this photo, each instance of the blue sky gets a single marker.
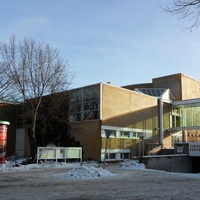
(119, 41)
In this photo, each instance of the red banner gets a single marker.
(3, 142)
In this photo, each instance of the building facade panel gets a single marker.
(126, 108)
(166, 125)
(173, 82)
(190, 87)
(89, 135)
(182, 86)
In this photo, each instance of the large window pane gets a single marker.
(85, 103)
(186, 116)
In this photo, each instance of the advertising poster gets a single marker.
(3, 142)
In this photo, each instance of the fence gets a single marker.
(59, 153)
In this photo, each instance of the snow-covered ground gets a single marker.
(88, 181)
(78, 170)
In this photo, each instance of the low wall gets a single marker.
(170, 163)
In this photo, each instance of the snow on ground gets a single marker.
(23, 164)
(132, 164)
(93, 170)
(83, 170)
(89, 180)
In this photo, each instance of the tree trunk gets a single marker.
(33, 135)
(33, 148)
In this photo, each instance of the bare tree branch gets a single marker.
(186, 9)
(34, 70)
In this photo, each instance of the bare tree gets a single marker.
(5, 84)
(36, 70)
(53, 121)
(186, 9)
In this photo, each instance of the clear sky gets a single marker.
(118, 41)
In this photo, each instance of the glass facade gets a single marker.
(85, 103)
(186, 115)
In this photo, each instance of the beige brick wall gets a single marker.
(173, 82)
(126, 108)
(88, 133)
(122, 143)
(181, 86)
(121, 108)
(166, 125)
(190, 87)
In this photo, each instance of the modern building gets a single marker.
(139, 119)
(130, 121)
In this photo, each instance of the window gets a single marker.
(109, 133)
(113, 134)
(125, 134)
(185, 115)
(125, 155)
(136, 135)
(110, 156)
(85, 103)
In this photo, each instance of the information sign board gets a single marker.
(194, 149)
